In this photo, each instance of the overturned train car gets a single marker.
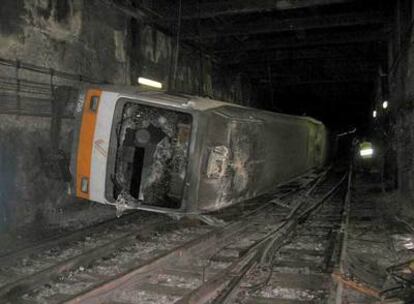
(184, 154)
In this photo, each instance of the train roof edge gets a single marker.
(182, 100)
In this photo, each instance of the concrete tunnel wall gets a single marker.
(400, 127)
(394, 126)
(90, 41)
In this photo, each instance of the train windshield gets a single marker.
(151, 155)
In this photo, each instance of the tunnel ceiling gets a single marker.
(319, 57)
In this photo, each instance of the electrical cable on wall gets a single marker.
(201, 82)
(269, 75)
(177, 45)
(17, 75)
(39, 91)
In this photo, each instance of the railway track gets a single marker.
(300, 267)
(43, 262)
(60, 239)
(291, 264)
(184, 253)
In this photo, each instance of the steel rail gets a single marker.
(343, 235)
(58, 240)
(27, 283)
(200, 247)
(212, 240)
(224, 284)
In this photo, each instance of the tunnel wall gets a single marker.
(48, 48)
(395, 125)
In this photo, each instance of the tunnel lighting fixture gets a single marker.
(149, 82)
(385, 104)
(368, 152)
(374, 113)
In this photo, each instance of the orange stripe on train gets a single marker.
(86, 137)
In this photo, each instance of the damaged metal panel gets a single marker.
(189, 155)
(264, 149)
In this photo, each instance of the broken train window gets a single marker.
(152, 155)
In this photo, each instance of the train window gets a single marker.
(93, 103)
(152, 155)
(217, 162)
(85, 185)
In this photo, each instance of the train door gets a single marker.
(233, 154)
(247, 152)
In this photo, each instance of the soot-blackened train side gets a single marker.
(184, 154)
